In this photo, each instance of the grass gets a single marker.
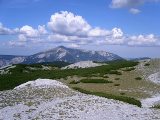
(129, 100)
(95, 81)
(138, 78)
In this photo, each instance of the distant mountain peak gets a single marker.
(62, 53)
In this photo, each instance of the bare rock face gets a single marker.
(83, 64)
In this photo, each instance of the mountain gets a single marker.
(61, 53)
(10, 59)
(140, 58)
(70, 55)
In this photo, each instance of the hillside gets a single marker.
(49, 99)
(45, 91)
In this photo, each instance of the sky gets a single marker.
(129, 28)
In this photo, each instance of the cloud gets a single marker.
(117, 33)
(74, 45)
(66, 23)
(130, 4)
(16, 43)
(6, 31)
(27, 32)
(66, 27)
(126, 3)
(134, 11)
(143, 40)
(96, 32)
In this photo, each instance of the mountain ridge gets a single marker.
(60, 53)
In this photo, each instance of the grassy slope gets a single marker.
(19, 74)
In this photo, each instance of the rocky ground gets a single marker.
(45, 99)
(151, 71)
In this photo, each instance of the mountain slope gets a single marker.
(70, 55)
(60, 53)
(10, 59)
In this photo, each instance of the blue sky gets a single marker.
(129, 28)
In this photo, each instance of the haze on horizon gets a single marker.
(128, 28)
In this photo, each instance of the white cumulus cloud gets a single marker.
(6, 31)
(68, 24)
(66, 27)
(143, 40)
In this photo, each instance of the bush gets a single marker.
(116, 84)
(117, 78)
(105, 76)
(138, 78)
(115, 72)
(95, 81)
(110, 96)
(18, 75)
(147, 64)
(129, 69)
(74, 82)
(122, 93)
(156, 106)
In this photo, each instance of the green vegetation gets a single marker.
(58, 64)
(116, 84)
(110, 96)
(147, 64)
(105, 76)
(138, 78)
(95, 81)
(74, 82)
(117, 78)
(156, 106)
(129, 69)
(114, 72)
(122, 93)
(20, 74)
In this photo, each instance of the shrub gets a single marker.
(95, 81)
(115, 72)
(138, 78)
(74, 82)
(122, 93)
(147, 64)
(105, 76)
(117, 78)
(129, 69)
(156, 106)
(116, 84)
(18, 75)
(110, 96)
